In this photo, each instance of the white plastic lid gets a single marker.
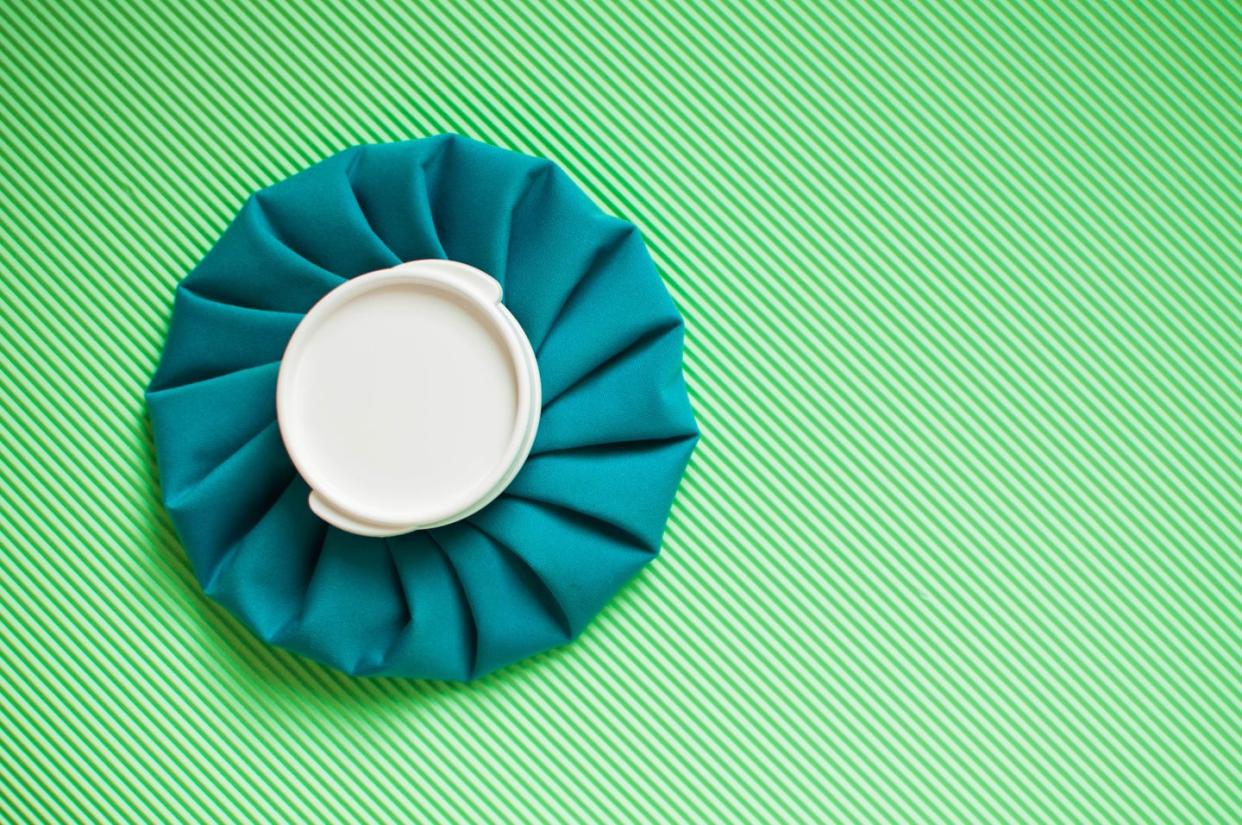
(408, 398)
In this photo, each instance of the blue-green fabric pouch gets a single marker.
(587, 510)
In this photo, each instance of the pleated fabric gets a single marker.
(585, 513)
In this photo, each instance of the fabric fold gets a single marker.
(216, 339)
(250, 267)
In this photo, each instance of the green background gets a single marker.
(963, 286)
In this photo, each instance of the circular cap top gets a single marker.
(408, 398)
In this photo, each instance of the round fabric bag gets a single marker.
(584, 513)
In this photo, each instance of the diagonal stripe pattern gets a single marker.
(963, 537)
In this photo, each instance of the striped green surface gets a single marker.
(964, 298)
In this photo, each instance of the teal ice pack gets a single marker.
(584, 512)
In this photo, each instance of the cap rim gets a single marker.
(483, 293)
